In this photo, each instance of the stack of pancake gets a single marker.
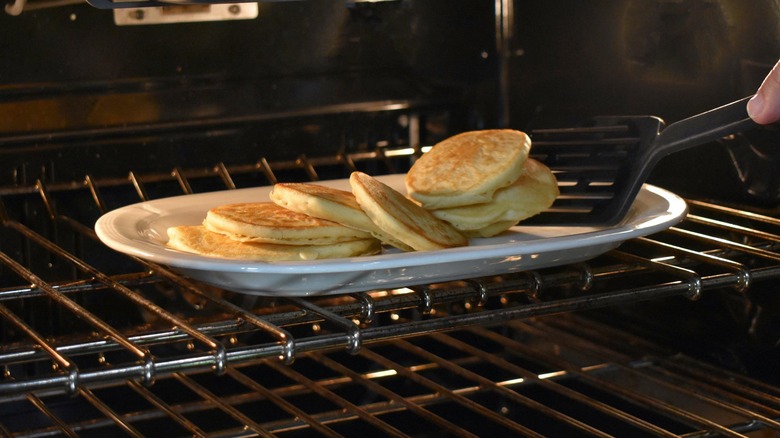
(264, 231)
(474, 184)
(482, 182)
(371, 207)
(309, 222)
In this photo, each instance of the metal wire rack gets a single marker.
(148, 351)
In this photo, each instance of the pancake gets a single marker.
(198, 240)
(271, 223)
(468, 168)
(400, 217)
(490, 230)
(532, 193)
(331, 204)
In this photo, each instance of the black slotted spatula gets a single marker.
(601, 166)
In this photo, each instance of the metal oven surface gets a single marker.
(96, 342)
(672, 334)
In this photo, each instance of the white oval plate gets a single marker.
(140, 230)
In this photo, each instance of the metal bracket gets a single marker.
(174, 12)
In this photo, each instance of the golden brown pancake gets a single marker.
(491, 229)
(532, 193)
(468, 168)
(331, 204)
(402, 218)
(198, 240)
(271, 223)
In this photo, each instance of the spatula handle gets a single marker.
(703, 128)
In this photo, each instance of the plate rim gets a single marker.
(110, 235)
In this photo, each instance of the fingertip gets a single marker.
(755, 108)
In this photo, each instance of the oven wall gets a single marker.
(198, 93)
(667, 58)
(672, 59)
(71, 69)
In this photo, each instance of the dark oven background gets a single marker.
(672, 59)
(197, 93)
(303, 78)
(81, 95)
(320, 84)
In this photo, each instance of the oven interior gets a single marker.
(675, 334)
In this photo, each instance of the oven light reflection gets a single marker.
(510, 382)
(405, 151)
(561, 373)
(399, 152)
(542, 376)
(385, 293)
(380, 374)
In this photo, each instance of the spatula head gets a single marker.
(596, 165)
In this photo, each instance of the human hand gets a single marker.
(764, 107)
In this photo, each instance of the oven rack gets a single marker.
(570, 376)
(715, 248)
